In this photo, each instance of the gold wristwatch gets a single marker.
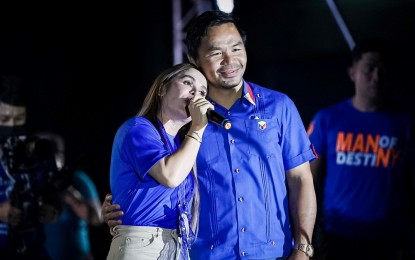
(306, 248)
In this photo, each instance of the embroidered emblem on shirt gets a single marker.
(262, 125)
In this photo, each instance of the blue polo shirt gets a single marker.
(137, 147)
(241, 173)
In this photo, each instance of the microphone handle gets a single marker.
(219, 119)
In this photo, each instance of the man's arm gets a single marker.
(302, 204)
(111, 213)
(317, 167)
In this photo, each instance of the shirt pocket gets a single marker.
(263, 137)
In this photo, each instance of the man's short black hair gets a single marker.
(373, 44)
(199, 26)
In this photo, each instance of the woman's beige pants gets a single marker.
(144, 243)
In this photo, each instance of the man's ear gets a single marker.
(351, 71)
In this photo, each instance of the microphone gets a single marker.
(217, 118)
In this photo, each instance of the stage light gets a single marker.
(225, 5)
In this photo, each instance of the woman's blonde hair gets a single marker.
(152, 102)
(152, 106)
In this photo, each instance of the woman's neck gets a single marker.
(172, 126)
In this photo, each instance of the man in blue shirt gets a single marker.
(363, 146)
(256, 189)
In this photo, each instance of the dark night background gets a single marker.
(90, 65)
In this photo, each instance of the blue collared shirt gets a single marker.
(137, 147)
(241, 173)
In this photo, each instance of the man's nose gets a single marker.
(226, 58)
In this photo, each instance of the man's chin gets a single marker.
(231, 83)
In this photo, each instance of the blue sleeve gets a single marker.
(296, 145)
(136, 149)
(143, 148)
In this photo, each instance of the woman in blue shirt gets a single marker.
(150, 165)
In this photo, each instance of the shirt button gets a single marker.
(229, 113)
(232, 141)
(273, 242)
(240, 199)
(211, 247)
(243, 230)
(237, 170)
(243, 253)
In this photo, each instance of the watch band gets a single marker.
(305, 248)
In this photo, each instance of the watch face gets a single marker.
(306, 248)
(310, 250)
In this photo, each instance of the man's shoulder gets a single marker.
(267, 92)
(340, 105)
(256, 86)
(331, 113)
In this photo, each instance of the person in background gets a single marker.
(68, 237)
(152, 168)
(21, 215)
(256, 189)
(362, 181)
